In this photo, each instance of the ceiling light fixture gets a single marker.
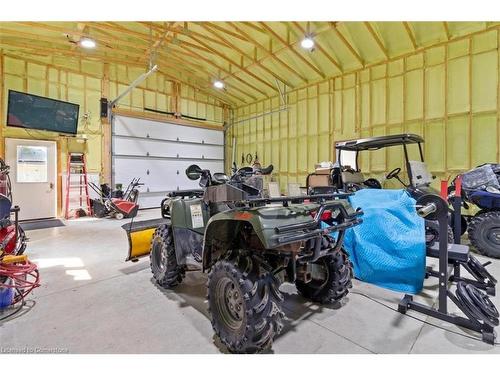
(219, 84)
(307, 43)
(87, 43)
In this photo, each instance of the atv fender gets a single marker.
(225, 228)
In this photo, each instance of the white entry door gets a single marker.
(33, 173)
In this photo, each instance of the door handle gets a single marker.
(51, 185)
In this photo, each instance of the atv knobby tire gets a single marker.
(244, 304)
(336, 270)
(432, 233)
(166, 271)
(484, 233)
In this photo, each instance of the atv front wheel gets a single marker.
(331, 279)
(484, 233)
(244, 304)
(166, 271)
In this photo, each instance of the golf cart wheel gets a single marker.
(166, 271)
(432, 233)
(244, 304)
(484, 233)
(119, 216)
(331, 279)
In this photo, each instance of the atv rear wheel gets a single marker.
(244, 304)
(432, 233)
(484, 233)
(331, 279)
(166, 271)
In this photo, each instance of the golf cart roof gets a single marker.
(375, 143)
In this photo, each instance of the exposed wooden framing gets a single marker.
(231, 61)
(243, 53)
(183, 30)
(254, 26)
(172, 119)
(411, 35)
(269, 52)
(349, 46)
(292, 49)
(222, 29)
(321, 49)
(100, 57)
(197, 56)
(408, 54)
(225, 71)
(446, 30)
(106, 130)
(377, 39)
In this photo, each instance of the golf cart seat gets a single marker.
(352, 177)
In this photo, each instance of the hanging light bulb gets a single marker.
(307, 43)
(218, 84)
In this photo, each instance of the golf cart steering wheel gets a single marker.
(394, 173)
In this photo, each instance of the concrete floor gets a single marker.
(91, 301)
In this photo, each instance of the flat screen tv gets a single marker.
(39, 113)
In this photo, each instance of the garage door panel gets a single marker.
(159, 175)
(159, 153)
(142, 128)
(145, 147)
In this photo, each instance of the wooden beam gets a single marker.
(106, 129)
(446, 30)
(376, 38)
(321, 49)
(168, 118)
(243, 53)
(222, 29)
(290, 47)
(254, 26)
(349, 46)
(411, 35)
(268, 52)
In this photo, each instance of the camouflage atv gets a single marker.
(250, 245)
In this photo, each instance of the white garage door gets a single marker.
(159, 153)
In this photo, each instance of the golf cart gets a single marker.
(348, 177)
(249, 245)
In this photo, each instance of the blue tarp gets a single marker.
(388, 248)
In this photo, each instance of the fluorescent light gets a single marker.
(87, 43)
(307, 42)
(219, 84)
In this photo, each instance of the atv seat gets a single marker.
(485, 199)
(456, 253)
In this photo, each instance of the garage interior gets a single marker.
(155, 98)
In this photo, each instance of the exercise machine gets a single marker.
(480, 313)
